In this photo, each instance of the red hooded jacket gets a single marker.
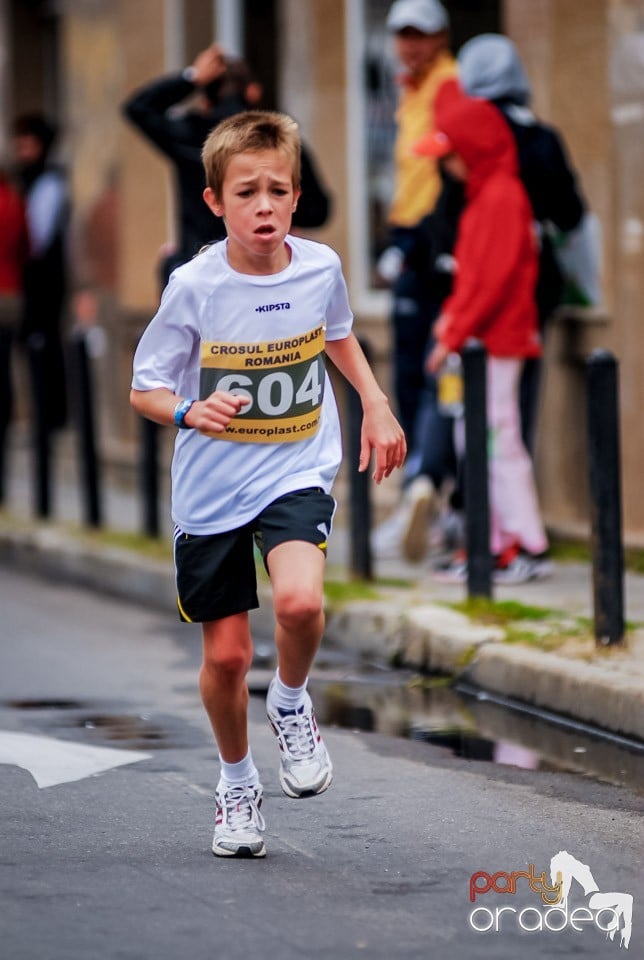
(13, 239)
(496, 249)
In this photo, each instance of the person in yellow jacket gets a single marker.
(420, 30)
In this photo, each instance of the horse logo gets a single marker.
(564, 868)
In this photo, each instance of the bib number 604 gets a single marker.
(274, 393)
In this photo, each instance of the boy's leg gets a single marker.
(292, 533)
(296, 570)
(227, 656)
(297, 574)
(216, 586)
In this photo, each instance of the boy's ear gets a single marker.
(211, 201)
(296, 197)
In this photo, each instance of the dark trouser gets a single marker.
(529, 388)
(428, 432)
(435, 435)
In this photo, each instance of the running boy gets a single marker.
(234, 358)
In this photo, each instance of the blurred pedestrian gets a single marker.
(220, 86)
(14, 247)
(420, 29)
(490, 67)
(494, 300)
(44, 187)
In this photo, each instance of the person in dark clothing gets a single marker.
(44, 187)
(225, 86)
(14, 247)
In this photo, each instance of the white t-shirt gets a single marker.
(262, 336)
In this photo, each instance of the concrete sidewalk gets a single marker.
(539, 651)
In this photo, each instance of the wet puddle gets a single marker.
(100, 727)
(465, 722)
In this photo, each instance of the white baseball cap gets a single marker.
(428, 16)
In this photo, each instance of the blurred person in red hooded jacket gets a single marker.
(13, 255)
(493, 299)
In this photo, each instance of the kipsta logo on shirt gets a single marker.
(268, 307)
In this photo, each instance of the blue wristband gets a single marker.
(180, 412)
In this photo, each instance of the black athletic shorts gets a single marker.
(215, 573)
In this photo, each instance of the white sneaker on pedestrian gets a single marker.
(386, 538)
(523, 568)
(447, 532)
(406, 532)
(454, 571)
(239, 824)
(421, 500)
(305, 765)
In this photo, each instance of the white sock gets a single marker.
(242, 772)
(286, 698)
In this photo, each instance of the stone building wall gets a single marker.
(586, 64)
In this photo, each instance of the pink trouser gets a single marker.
(514, 509)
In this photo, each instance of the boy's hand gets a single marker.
(213, 414)
(381, 432)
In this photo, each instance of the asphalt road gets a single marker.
(117, 864)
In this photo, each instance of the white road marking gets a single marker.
(52, 761)
(178, 778)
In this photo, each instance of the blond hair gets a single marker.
(250, 132)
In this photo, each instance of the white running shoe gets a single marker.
(305, 765)
(239, 824)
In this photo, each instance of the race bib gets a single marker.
(282, 379)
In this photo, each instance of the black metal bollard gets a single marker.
(86, 424)
(40, 426)
(475, 474)
(605, 497)
(359, 490)
(149, 477)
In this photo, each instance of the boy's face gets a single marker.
(257, 203)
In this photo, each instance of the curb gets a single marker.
(117, 573)
(426, 637)
(439, 640)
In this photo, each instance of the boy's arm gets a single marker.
(380, 429)
(211, 415)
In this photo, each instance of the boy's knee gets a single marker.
(297, 608)
(228, 662)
